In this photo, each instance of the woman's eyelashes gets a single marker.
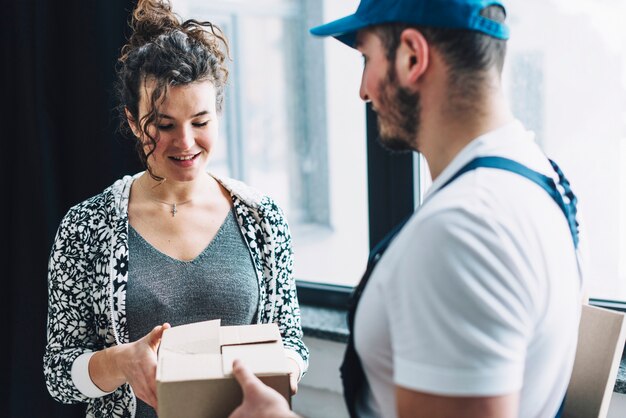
(169, 126)
(165, 127)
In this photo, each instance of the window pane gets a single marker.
(566, 80)
(294, 126)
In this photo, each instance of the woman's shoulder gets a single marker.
(112, 200)
(251, 197)
(248, 195)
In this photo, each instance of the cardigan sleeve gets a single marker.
(70, 313)
(286, 308)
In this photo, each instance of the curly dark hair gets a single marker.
(170, 52)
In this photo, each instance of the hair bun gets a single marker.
(152, 18)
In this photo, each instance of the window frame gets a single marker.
(391, 198)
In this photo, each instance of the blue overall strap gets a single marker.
(380, 248)
(559, 413)
(547, 183)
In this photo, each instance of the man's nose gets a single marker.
(363, 91)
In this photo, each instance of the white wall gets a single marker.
(319, 394)
(618, 406)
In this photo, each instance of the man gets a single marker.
(473, 309)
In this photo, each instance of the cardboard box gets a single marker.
(194, 367)
(601, 338)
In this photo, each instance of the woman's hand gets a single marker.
(137, 361)
(294, 374)
(134, 363)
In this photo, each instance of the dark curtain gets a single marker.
(59, 147)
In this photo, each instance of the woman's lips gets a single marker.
(184, 161)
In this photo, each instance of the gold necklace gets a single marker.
(173, 206)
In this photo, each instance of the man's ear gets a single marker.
(412, 58)
(132, 123)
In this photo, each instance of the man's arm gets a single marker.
(412, 404)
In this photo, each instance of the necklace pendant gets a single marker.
(174, 210)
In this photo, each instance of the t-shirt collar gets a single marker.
(486, 144)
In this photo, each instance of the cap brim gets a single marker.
(344, 29)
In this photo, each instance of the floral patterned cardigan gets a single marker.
(87, 276)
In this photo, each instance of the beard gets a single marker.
(398, 115)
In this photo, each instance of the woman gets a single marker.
(171, 245)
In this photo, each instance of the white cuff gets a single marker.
(296, 357)
(81, 378)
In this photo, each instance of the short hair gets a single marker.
(172, 53)
(469, 54)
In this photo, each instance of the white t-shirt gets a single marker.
(479, 294)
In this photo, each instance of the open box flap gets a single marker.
(249, 334)
(196, 338)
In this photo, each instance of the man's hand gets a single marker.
(259, 400)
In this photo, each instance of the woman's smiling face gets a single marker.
(185, 130)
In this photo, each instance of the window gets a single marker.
(295, 128)
(565, 77)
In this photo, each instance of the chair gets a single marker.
(600, 345)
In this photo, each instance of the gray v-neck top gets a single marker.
(220, 283)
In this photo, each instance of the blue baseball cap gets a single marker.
(451, 14)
